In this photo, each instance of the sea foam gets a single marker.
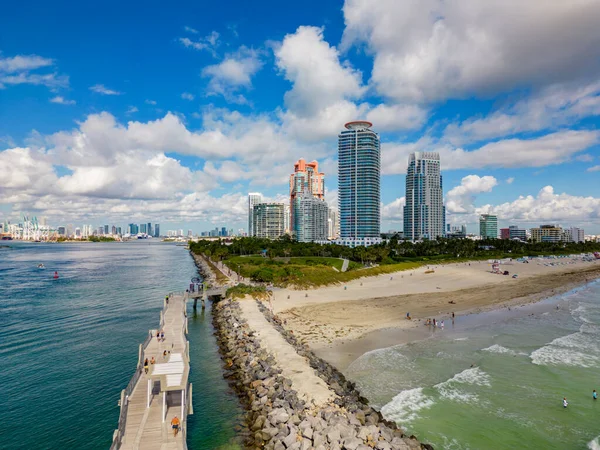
(405, 406)
(450, 389)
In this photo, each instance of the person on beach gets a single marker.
(453, 316)
(146, 365)
(565, 403)
(442, 325)
(162, 336)
(165, 354)
(152, 360)
(595, 395)
(175, 425)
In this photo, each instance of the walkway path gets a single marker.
(305, 381)
(165, 387)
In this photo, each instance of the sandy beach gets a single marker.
(371, 313)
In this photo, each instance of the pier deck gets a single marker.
(151, 400)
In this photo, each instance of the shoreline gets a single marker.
(343, 330)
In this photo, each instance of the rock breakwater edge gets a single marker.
(277, 418)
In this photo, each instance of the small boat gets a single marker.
(41, 266)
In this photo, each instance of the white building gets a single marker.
(254, 198)
(286, 219)
(268, 220)
(333, 225)
(424, 213)
(577, 235)
(312, 218)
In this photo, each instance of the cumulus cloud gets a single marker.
(510, 180)
(318, 76)
(460, 199)
(101, 89)
(594, 169)
(233, 73)
(150, 102)
(397, 117)
(61, 100)
(547, 206)
(428, 50)
(393, 211)
(190, 30)
(187, 96)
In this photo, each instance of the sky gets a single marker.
(119, 112)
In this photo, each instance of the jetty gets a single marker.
(154, 397)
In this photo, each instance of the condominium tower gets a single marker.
(424, 213)
(305, 179)
(488, 226)
(254, 198)
(311, 218)
(359, 170)
(268, 220)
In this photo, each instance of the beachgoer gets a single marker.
(442, 324)
(175, 425)
(453, 315)
(434, 323)
(146, 365)
(565, 403)
(595, 395)
(162, 336)
(152, 360)
(408, 315)
(165, 354)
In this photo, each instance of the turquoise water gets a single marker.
(524, 362)
(69, 346)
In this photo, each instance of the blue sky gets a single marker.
(143, 112)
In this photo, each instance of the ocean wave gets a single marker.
(405, 406)
(551, 355)
(451, 390)
(498, 349)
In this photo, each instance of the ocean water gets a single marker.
(69, 346)
(496, 381)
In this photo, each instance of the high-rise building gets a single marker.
(156, 230)
(547, 233)
(514, 232)
(359, 184)
(268, 220)
(190, 233)
(577, 234)
(62, 231)
(133, 229)
(254, 198)
(311, 218)
(114, 230)
(306, 178)
(180, 233)
(287, 226)
(224, 231)
(105, 229)
(149, 228)
(143, 228)
(504, 233)
(333, 225)
(119, 232)
(488, 226)
(424, 213)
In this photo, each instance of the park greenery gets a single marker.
(285, 262)
(241, 290)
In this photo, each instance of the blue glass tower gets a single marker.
(359, 172)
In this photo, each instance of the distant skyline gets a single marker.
(177, 112)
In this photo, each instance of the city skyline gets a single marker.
(219, 108)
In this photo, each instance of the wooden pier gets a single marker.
(151, 400)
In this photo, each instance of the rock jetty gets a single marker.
(276, 417)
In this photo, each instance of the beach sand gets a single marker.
(343, 322)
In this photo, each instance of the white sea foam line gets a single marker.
(594, 444)
(550, 355)
(405, 406)
(499, 349)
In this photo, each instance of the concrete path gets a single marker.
(310, 387)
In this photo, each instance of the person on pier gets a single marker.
(175, 425)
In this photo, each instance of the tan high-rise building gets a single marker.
(306, 178)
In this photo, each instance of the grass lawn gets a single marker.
(304, 272)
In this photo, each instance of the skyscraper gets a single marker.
(424, 213)
(359, 167)
(156, 230)
(254, 198)
(305, 179)
(488, 226)
(311, 218)
(143, 228)
(268, 220)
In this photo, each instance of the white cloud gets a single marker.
(594, 169)
(150, 102)
(131, 110)
(510, 180)
(209, 43)
(552, 107)
(187, 96)
(553, 148)
(586, 157)
(313, 66)
(397, 117)
(393, 211)
(547, 207)
(234, 72)
(435, 49)
(190, 30)
(61, 100)
(101, 89)
(22, 63)
(460, 199)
